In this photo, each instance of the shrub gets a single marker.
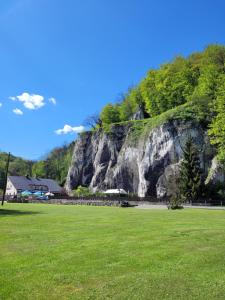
(175, 202)
(81, 191)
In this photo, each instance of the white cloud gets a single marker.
(0, 104)
(52, 100)
(69, 129)
(12, 98)
(30, 101)
(17, 111)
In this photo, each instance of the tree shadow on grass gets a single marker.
(15, 212)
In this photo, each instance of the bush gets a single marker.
(81, 191)
(175, 202)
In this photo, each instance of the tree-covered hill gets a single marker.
(184, 79)
(55, 165)
(17, 166)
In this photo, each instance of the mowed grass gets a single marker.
(72, 252)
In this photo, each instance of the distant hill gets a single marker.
(17, 166)
(54, 166)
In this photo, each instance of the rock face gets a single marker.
(139, 115)
(167, 181)
(215, 174)
(142, 165)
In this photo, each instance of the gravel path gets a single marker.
(151, 206)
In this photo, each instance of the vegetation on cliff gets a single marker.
(217, 128)
(175, 83)
(196, 110)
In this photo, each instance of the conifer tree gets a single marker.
(190, 172)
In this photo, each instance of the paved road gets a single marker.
(157, 206)
(151, 206)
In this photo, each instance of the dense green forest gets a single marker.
(55, 165)
(182, 80)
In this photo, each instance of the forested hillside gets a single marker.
(55, 165)
(182, 80)
(17, 166)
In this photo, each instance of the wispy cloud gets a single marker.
(12, 98)
(69, 129)
(30, 101)
(18, 111)
(52, 100)
(0, 104)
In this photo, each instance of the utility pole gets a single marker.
(6, 176)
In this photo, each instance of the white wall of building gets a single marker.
(10, 189)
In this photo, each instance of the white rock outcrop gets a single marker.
(113, 160)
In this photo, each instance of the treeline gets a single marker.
(18, 166)
(54, 166)
(182, 80)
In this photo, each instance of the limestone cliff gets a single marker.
(137, 159)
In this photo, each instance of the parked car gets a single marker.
(124, 204)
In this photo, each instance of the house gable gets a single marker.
(10, 188)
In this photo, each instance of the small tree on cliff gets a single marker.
(190, 172)
(93, 121)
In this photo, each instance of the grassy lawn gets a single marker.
(71, 252)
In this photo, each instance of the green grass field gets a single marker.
(72, 252)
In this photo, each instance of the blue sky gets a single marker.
(79, 55)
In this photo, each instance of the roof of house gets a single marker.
(115, 191)
(25, 183)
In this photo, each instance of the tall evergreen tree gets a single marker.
(190, 172)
